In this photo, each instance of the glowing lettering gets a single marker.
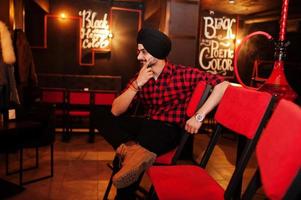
(211, 25)
(217, 44)
(94, 33)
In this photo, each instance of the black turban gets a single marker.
(155, 42)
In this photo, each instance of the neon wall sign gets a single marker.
(217, 43)
(94, 33)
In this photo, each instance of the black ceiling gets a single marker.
(251, 7)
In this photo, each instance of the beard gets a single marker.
(152, 62)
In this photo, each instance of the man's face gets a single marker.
(143, 56)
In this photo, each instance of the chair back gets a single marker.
(241, 110)
(198, 98)
(104, 98)
(79, 103)
(79, 98)
(278, 151)
(244, 112)
(55, 96)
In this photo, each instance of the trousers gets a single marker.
(156, 136)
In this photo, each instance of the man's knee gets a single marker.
(100, 117)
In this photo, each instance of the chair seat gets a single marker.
(184, 182)
(166, 158)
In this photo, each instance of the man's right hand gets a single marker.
(145, 74)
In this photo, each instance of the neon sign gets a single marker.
(217, 44)
(95, 33)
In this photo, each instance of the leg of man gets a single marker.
(115, 130)
(155, 136)
(158, 137)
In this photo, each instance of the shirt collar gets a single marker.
(167, 70)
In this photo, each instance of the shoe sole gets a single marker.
(133, 175)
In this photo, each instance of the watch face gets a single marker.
(199, 117)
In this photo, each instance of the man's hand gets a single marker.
(192, 125)
(145, 74)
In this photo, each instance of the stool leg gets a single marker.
(7, 163)
(21, 167)
(51, 160)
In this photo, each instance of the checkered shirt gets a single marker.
(166, 98)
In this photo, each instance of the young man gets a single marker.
(164, 90)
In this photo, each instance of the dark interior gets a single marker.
(86, 51)
(169, 16)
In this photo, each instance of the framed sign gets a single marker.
(95, 33)
(217, 38)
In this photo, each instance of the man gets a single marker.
(164, 91)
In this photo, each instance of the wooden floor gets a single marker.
(81, 172)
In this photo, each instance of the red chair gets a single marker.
(104, 98)
(278, 155)
(241, 110)
(100, 100)
(78, 107)
(57, 98)
(198, 98)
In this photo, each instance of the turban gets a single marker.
(155, 42)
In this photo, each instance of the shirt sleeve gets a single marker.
(136, 98)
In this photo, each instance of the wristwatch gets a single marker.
(199, 117)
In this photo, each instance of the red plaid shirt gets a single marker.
(166, 98)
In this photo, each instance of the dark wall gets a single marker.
(34, 23)
(293, 66)
(258, 47)
(263, 49)
(183, 32)
(62, 53)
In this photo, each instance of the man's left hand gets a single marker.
(192, 126)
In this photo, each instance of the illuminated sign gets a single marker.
(217, 44)
(95, 33)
